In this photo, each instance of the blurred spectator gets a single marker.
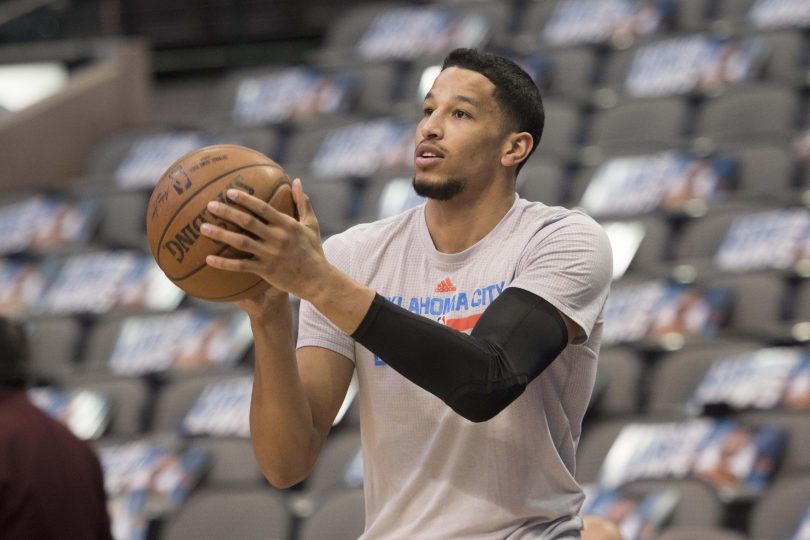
(51, 484)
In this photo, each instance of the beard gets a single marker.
(443, 190)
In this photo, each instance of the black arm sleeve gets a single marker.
(477, 375)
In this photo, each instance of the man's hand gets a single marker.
(286, 253)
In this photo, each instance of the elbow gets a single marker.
(284, 477)
(284, 481)
(482, 402)
(284, 469)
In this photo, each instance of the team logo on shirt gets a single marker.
(445, 285)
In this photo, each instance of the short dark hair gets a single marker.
(515, 91)
(13, 354)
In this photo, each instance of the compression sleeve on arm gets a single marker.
(477, 375)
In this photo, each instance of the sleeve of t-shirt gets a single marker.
(570, 265)
(315, 330)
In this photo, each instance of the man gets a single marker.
(51, 484)
(465, 435)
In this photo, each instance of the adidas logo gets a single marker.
(445, 285)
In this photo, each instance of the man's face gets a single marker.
(459, 139)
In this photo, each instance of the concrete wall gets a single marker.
(47, 144)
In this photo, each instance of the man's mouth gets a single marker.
(427, 156)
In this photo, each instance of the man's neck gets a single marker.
(460, 223)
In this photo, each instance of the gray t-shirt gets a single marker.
(428, 472)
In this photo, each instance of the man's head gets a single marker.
(13, 354)
(483, 112)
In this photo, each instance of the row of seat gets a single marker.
(744, 115)
(259, 513)
(232, 501)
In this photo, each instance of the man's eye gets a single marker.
(427, 112)
(460, 114)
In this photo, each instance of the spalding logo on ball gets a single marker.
(178, 206)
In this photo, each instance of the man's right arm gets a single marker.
(296, 396)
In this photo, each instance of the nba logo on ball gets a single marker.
(179, 180)
(178, 207)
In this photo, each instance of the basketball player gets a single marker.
(473, 322)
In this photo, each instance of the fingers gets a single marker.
(257, 206)
(235, 265)
(236, 240)
(306, 214)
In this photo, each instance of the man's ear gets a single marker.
(516, 148)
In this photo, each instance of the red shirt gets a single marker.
(51, 483)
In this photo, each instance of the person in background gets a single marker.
(51, 482)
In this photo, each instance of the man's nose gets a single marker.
(431, 127)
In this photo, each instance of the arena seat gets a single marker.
(622, 370)
(53, 347)
(342, 517)
(130, 402)
(213, 514)
(698, 504)
(675, 376)
(541, 180)
(756, 113)
(640, 125)
(233, 462)
(778, 512)
(704, 533)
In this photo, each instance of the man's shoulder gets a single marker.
(557, 216)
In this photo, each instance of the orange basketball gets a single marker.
(178, 206)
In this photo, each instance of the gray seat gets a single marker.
(653, 251)
(541, 180)
(778, 512)
(246, 514)
(123, 222)
(675, 377)
(333, 202)
(751, 114)
(621, 369)
(182, 101)
(640, 125)
(795, 459)
(732, 13)
(704, 533)
(329, 473)
(785, 52)
(344, 32)
(304, 143)
(802, 311)
(596, 440)
(573, 70)
(53, 347)
(177, 397)
(758, 305)
(699, 241)
(765, 172)
(100, 343)
(342, 517)
(130, 400)
(615, 68)
(698, 505)
(233, 462)
(693, 15)
(561, 130)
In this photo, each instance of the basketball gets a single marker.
(178, 207)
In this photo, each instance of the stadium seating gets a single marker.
(748, 133)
